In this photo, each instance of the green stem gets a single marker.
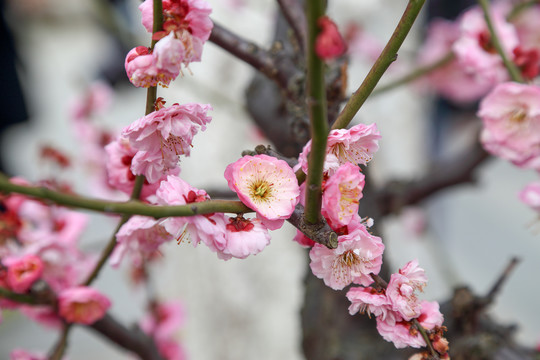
(519, 8)
(20, 298)
(510, 66)
(316, 97)
(414, 74)
(131, 207)
(425, 336)
(388, 55)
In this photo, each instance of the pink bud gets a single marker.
(329, 43)
(23, 272)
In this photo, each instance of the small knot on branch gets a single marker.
(319, 232)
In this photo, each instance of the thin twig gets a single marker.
(387, 57)
(414, 74)
(293, 12)
(495, 40)
(490, 296)
(58, 350)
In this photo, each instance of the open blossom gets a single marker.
(329, 43)
(140, 237)
(188, 20)
(120, 156)
(208, 228)
(368, 299)
(358, 255)
(474, 49)
(342, 193)
(162, 136)
(355, 145)
(266, 185)
(394, 329)
(245, 237)
(23, 272)
(511, 119)
(82, 305)
(401, 290)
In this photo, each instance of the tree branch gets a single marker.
(319, 232)
(293, 12)
(387, 57)
(251, 54)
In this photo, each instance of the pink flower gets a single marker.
(141, 237)
(368, 299)
(530, 195)
(169, 53)
(342, 193)
(511, 118)
(266, 185)
(329, 43)
(394, 329)
(119, 159)
(452, 80)
(358, 255)
(82, 305)
(245, 237)
(142, 70)
(42, 314)
(208, 228)
(355, 145)
(23, 272)
(166, 318)
(162, 136)
(188, 20)
(95, 100)
(474, 49)
(401, 290)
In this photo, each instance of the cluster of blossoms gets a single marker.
(475, 67)
(39, 249)
(186, 28)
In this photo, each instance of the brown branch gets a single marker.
(250, 53)
(496, 288)
(293, 11)
(133, 340)
(319, 232)
(458, 170)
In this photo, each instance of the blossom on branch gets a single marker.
(162, 136)
(511, 119)
(82, 305)
(23, 272)
(329, 43)
(356, 145)
(266, 185)
(358, 255)
(245, 237)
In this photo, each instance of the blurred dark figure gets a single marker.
(448, 9)
(12, 104)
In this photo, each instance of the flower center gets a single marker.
(518, 116)
(261, 190)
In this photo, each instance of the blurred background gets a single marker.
(244, 309)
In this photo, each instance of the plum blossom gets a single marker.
(120, 155)
(82, 305)
(355, 145)
(208, 228)
(368, 299)
(140, 237)
(329, 43)
(530, 195)
(358, 255)
(162, 136)
(511, 119)
(187, 20)
(401, 290)
(20, 354)
(245, 237)
(22, 272)
(394, 329)
(474, 49)
(342, 193)
(452, 80)
(164, 320)
(142, 70)
(266, 185)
